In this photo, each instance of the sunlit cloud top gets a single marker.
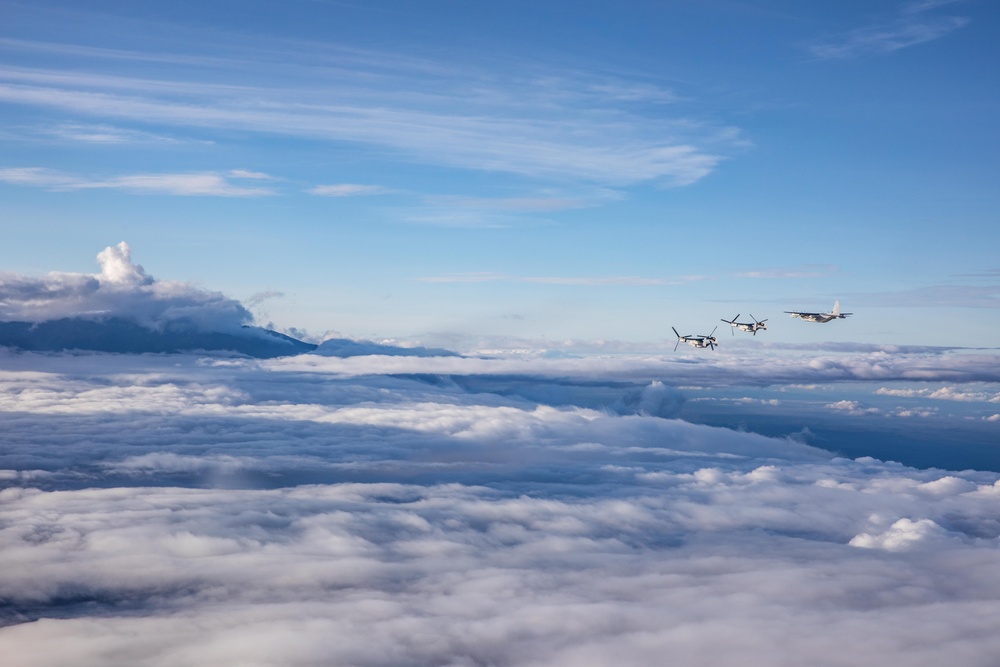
(122, 289)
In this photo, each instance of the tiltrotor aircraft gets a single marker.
(696, 341)
(749, 327)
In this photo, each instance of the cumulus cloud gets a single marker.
(902, 535)
(123, 290)
(943, 393)
(853, 408)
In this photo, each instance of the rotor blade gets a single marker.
(677, 343)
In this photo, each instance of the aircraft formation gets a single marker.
(710, 340)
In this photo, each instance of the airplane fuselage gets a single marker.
(817, 317)
(834, 314)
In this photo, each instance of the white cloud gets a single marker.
(808, 271)
(192, 184)
(121, 290)
(910, 28)
(38, 177)
(481, 277)
(104, 134)
(562, 126)
(926, 5)
(529, 510)
(955, 394)
(252, 175)
(309, 509)
(944, 296)
(747, 367)
(541, 203)
(853, 408)
(905, 393)
(347, 190)
(944, 394)
(903, 535)
(910, 412)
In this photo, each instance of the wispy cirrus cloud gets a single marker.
(347, 190)
(910, 27)
(807, 271)
(459, 211)
(90, 133)
(942, 296)
(541, 123)
(211, 184)
(926, 5)
(484, 277)
(537, 204)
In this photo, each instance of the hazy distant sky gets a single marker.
(589, 170)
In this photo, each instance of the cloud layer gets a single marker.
(178, 510)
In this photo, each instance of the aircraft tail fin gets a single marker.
(836, 308)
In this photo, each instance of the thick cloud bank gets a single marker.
(346, 347)
(183, 511)
(121, 290)
(122, 309)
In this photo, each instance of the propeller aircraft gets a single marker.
(820, 317)
(697, 341)
(749, 327)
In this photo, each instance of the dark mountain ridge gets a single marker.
(124, 336)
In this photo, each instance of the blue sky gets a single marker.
(537, 171)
